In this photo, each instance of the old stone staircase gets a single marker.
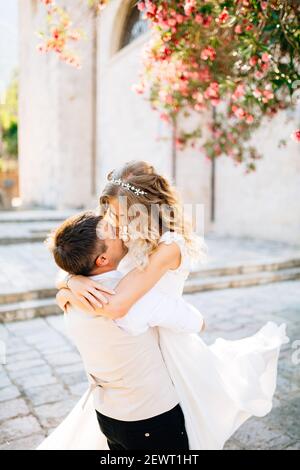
(27, 271)
(41, 302)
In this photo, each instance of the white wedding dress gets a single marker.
(219, 386)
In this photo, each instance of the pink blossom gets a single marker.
(238, 112)
(265, 66)
(141, 6)
(253, 60)
(239, 92)
(198, 96)
(151, 7)
(172, 22)
(189, 7)
(265, 57)
(165, 117)
(238, 29)
(199, 18)
(267, 95)
(204, 74)
(212, 91)
(139, 88)
(208, 53)
(179, 18)
(257, 93)
(199, 107)
(296, 135)
(179, 143)
(223, 17)
(217, 149)
(258, 75)
(207, 21)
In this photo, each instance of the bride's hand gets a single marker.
(88, 292)
(63, 298)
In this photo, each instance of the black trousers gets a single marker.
(163, 432)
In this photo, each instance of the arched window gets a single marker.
(134, 26)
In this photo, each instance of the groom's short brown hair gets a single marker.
(76, 245)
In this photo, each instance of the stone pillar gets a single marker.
(56, 115)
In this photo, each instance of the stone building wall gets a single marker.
(78, 125)
(56, 118)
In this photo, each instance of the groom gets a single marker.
(136, 403)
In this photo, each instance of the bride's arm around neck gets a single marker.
(137, 282)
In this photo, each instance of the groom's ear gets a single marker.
(102, 260)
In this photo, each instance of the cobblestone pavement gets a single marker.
(43, 375)
(29, 266)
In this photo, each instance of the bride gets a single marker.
(219, 386)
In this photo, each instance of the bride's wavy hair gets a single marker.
(157, 207)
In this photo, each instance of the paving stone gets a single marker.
(259, 434)
(37, 380)
(44, 339)
(3, 333)
(28, 443)
(19, 427)
(295, 446)
(16, 374)
(13, 408)
(57, 322)
(4, 380)
(8, 393)
(232, 445)
(63, 359)
(52, 414)
(41, 395)
(16, 345)
(79, 389)
(22, 365)
(74, 378)
(231, 314)
(287, 417)
(23, 356)
(23, 328)
(45, 350)
(69, 369)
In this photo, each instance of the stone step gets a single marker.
(205, 274)
(39, 307)
(246, 268)
(28, 309)
(15, 297)
(36, 238)
(198, 284)
(28, 216)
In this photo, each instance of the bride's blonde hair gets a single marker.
(155, 194)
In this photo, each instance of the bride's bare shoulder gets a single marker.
(168, 254)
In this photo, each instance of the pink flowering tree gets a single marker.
(235, 61)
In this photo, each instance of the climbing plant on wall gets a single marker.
(235, 61)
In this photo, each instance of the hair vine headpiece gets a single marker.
(130, 187)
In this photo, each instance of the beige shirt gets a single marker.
(130, 370)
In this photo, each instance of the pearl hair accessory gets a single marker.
(130, 187)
